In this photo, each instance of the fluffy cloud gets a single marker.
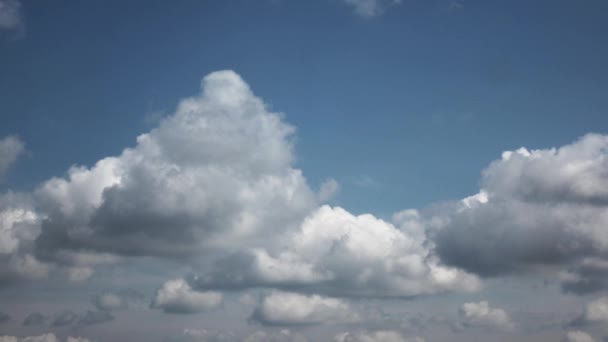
(65, 318)
(283, 308)
(578, 336)
(194, 335)
(19, 226)
(212, 178)
(336, 253)
(595, 311)
(34, 319)
(10, 19)
(536, 208)
(481, 315)
(41, 338)
(213, 186)
(376, 336)
(275, 336)
(11, 147)
(109, 301)
(90, 317)
(176, 296)
(370, 8)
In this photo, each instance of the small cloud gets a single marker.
(365, 181)
(481, 315)
(370, 8)
(11, 147)
(4, 317)
(328, 189)
(11, 18)
(176, 296)
(34, 319)
(284, 308)
(578, 336)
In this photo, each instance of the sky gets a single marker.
(286, 170)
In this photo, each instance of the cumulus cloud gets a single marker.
(284, 308)
(109, 301)
(370, 8)
(578, 336)
(336, 253)
(536, 208)
(41, 338)
(595, 311)
(214, 186)
(176, 296)
(65, 318)
(376, 336)
(34, 319)
(481, 315)
(283, 335)
(195, 335)
(95, 317)
(89, 317)
(213, 177)
(11, 147)
(10, 18)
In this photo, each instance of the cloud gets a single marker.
(336, 253)
(212, 178)
(19, 226)
(539, 208)
(283, 308)
(481, 315)
(34, 319)
(65, 318)
(90, 317)
(283, 335)
(595, 311)
(4, 317)
(194, 335)
(213, 187)
(578, 336)
(109, 301)
(95, 317)
(11, 147)
(376, 336)
(370, 8)
(50, 337)
(176, 296)
(10, 17)
(328, 189)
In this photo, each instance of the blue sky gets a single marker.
(404, 104)
(426, 93)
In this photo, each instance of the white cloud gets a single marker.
(10, 17)
(176, 296)
(11, 147)
(536, 208)
(329, 188)
(283, 308)
(41, 338)
(213, 177)
(370, 8)
(109, 301)
(481, 315)
(346, 255)
(578, 336)
(196, 335)
(283, 335)
(597, 310)
(376, 336)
